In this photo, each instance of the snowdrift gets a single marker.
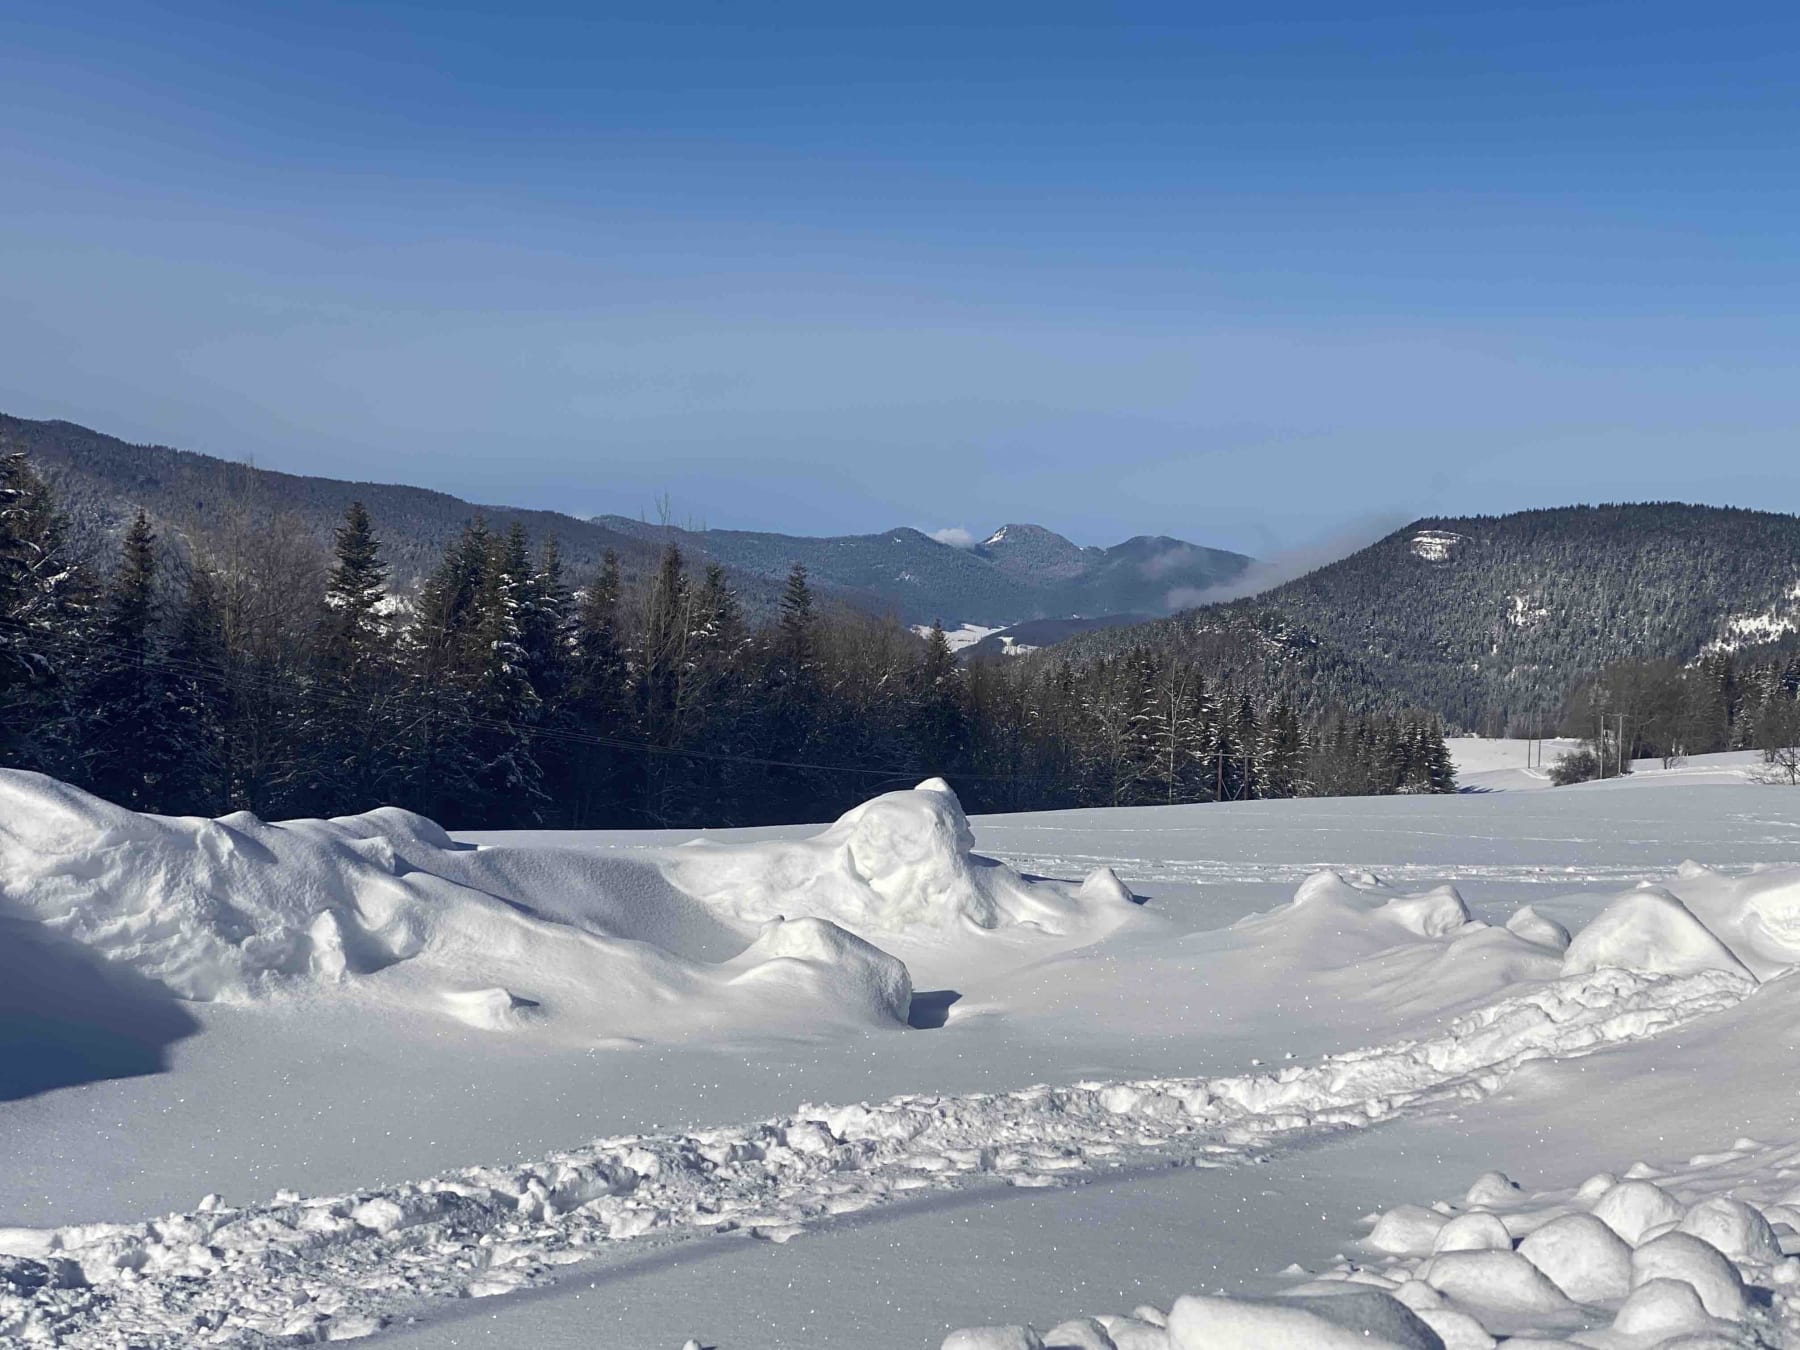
(1421, 950)
(387, 907)
(1435, 952)
(902, 863)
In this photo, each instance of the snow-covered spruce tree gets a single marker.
(1282, 752)
(129, 738)
(503, 706)
(716, 697)
(440, 765)
(46, 602)
(663, 633)
(547, 626)
(1440, 769)
(200, 711)
(790, 697)
(599, 782)
(354, 691)
(939, 721)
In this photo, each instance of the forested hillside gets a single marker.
(101, 483)
(1488, 620)
(281, 679)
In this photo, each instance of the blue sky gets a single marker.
(1116, 269)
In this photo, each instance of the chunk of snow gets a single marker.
(1362, 1320)
(1684, 1257)
(1407, 1230)
(1080, 1333)
(1583, 1257)
(994, 1338)
(1632, 1208)
(1499, 1285)
(1473, 1232)
(1529, 924)
(1735, 1228)
(1491, 1188)
(1456, 1329)
(1648, 930)
(1661, 1310)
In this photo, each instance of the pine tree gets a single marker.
(354, 694)
(46, 602)
(441, 766)
(353, 641)
(666, 631)
(797, 620)
(129, 742)
(504, 707)
(1440, 769)
(547, 627)
(199, 782)
(939, 723)
(1282, 753)
(596, 704)
(1248, 734)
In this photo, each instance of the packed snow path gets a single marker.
(300, 1270)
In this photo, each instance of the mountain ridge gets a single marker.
(1489, 619)
(1019, 573)
(103, 480)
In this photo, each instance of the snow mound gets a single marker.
(902, 862)
(817, 957)
(1650, 930)
(1433, 914)
(1582, 1257)
(1635, 1274)
(1360, 1320)
(1756, 916)
(1527, 923)
(387, 907)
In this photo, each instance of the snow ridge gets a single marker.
(342, 1266)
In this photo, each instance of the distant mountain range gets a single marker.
(1487, 620)
(1021, 572)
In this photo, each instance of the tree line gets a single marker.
(254, 669)
(1725, 700)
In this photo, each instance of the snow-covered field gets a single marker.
(1504, 765)
(1213, 1076)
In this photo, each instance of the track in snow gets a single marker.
(297, 1270)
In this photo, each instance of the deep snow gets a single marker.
(342, 1081)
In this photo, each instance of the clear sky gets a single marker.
(1246, 274)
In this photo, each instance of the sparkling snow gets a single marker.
(547, 1091)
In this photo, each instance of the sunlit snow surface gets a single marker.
(1323, 1009)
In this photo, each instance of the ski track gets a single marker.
(296, 1271)
(1219, 871)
